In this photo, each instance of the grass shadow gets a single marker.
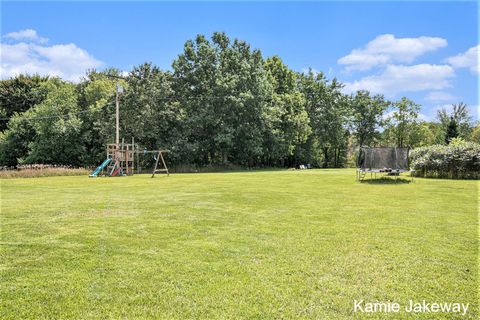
(387, 180)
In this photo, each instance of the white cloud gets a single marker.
(430, 112)
(440, 96)
(26, 35)
(396, 79)
(468, 59)
(63, 60)
(424, 117)
(386, 49)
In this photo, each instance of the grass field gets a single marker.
(264, 245)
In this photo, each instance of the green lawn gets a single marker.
(264, 245)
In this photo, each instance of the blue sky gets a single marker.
(427, 51)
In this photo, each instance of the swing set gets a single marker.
(124, 160)
(157, 157)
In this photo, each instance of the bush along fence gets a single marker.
(41, 170)
(458, 160)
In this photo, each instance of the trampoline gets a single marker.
(388, 160)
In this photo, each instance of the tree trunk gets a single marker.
(325, 155)
(335, 157)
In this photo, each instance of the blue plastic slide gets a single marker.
(100, 167)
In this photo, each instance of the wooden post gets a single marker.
(165, 169)
(139, 168)
(164, 164)
(133, 155)
(156, 164)
(117, 116)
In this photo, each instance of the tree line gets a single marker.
(222, 103)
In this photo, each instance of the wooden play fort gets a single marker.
(123, 160)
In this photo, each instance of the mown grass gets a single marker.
(261, 245)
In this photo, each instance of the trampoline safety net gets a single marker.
(383, 158)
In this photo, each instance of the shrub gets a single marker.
(40, 170)
(458, 160)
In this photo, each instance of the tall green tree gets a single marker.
(424, 133)
(150, 113)
(367, 116)
(286, 117)
(328, 111)
(96, 104)
(15, 140)
(18, 140)
(461, 117)
(451, 131)
(57, 127)
(401, 125)
(222, 86)
(19, 94)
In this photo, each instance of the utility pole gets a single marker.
(118, 91)
(117, 119)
